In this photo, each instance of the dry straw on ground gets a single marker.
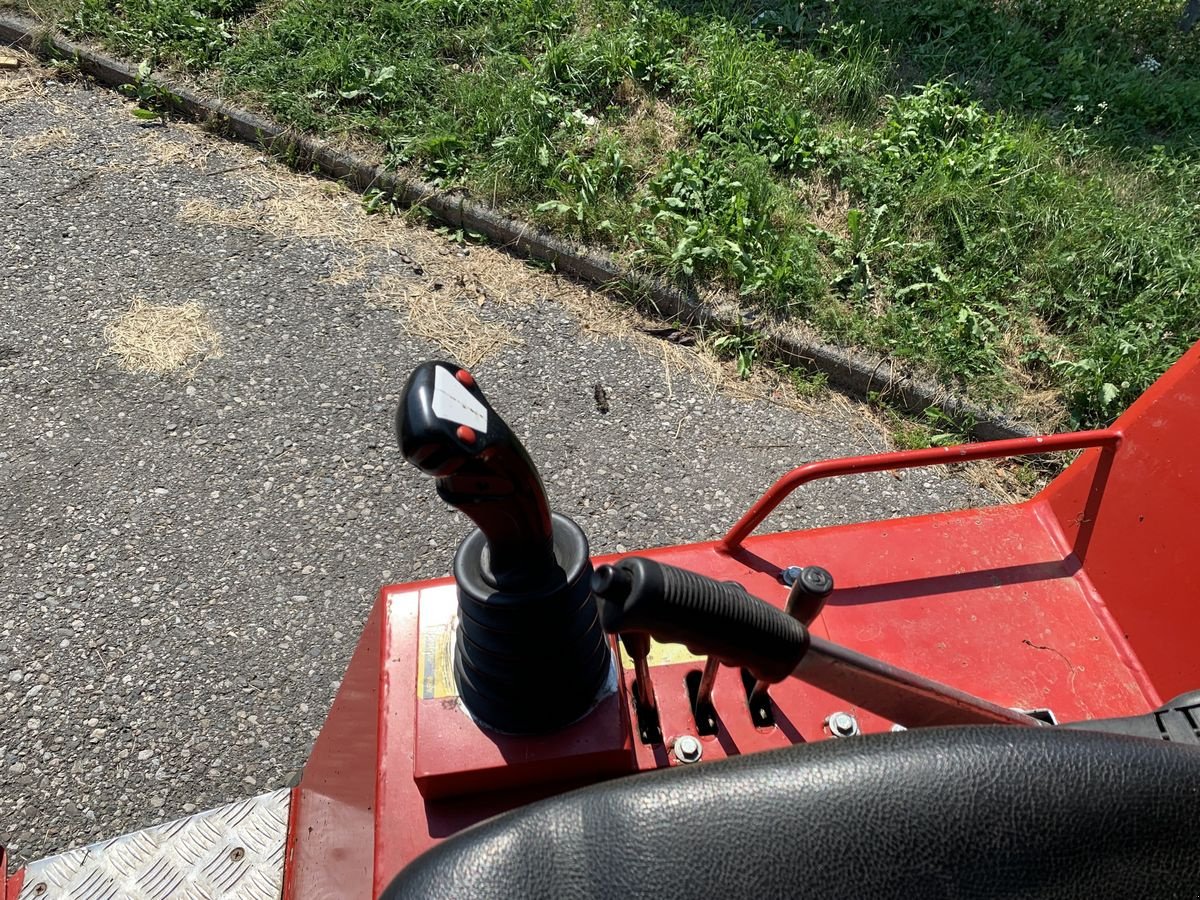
(179, 149)
(162, 338)
(22, 83)
(51, 138)
(438, 316)
(284, 204)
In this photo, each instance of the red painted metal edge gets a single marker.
(289, 850)
(909, 459)
(10, 885)
(335, 819)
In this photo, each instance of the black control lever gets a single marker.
(448, 430)
(805, 601)
(530, 655)
(714, 618)
(726, 622)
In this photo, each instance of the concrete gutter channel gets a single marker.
(858, 374)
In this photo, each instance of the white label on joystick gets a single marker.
(454, 403)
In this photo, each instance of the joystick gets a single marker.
(529, 654)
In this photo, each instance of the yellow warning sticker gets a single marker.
(435, 669)
(663, 655)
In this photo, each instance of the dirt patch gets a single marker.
(162, 338)
(652, 129)
(1034, 403)
(827, 205)
(286, 205)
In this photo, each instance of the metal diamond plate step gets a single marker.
(233, 852)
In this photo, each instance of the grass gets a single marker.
(1002, 192)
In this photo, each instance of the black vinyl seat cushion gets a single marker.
(967, 812)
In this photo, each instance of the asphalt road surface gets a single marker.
(186, 558)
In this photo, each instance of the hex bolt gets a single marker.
(842, 724)
(791, 575)
(688, 749)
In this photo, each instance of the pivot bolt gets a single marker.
(842, 724)
(688, 749)
(817, 581)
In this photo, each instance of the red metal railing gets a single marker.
(1108, 439)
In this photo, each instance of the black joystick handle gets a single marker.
(448, 430)
(530, 655)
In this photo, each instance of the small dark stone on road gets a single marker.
(601, 397)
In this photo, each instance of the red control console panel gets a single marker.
(401, 764)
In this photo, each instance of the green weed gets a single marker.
(154, 102)
(808, 384)
(738, 346)
(933, 428)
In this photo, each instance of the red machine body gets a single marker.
(1082, 601)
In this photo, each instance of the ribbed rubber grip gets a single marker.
(710, 617)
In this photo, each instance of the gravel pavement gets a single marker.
(186, 559)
